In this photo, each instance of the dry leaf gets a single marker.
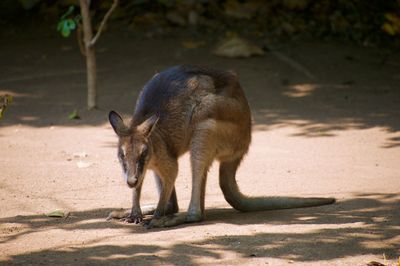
(193, 44)
(74, 115)
(81, 154)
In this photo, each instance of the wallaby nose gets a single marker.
(132, 181)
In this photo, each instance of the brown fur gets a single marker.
(202, 111)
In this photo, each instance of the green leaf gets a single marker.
(70, 23)
(56, 214)
(60, 25)
(65, 32)
(66, 25)
(74, 115)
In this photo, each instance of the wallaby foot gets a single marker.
(172, 220)
(193, 217)
(166, 221)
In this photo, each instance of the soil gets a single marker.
(326, 123)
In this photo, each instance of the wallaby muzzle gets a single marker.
(132, 182)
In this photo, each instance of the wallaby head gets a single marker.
(134, 147)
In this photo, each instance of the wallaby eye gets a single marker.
(143, 155)
(144, 151)
(121, 156)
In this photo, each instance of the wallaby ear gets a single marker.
(117, 123)
(148, 125)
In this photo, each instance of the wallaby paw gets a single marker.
(165, 221)
(133, 219)
(125, 216)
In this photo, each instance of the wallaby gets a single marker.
(195, 109)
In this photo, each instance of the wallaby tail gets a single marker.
(241, 202)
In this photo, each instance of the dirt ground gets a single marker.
(326, 123)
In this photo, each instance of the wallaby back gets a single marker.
(184, 96)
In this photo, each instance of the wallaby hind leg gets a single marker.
(167, 175)
(201, 156)
(200, 161)
(196, 207)
(172, 205)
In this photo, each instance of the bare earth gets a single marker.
(326, 123)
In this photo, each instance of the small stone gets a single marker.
(83, 164)
(236, 47)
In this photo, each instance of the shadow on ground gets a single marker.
(367, 224)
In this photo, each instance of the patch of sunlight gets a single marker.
(277, 244)
(29, 118)
(307, 218)
(16, 94)
(300, 90)
(120, 256)
(40, 219)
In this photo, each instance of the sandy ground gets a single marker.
(326, 123)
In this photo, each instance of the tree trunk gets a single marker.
(90, 54)
(91, 78)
